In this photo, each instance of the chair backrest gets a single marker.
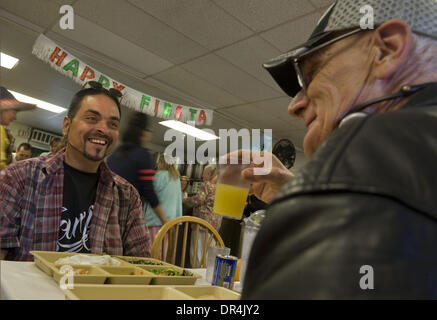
(171, 229)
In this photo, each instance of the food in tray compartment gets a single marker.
(80, 272)
(170, 272)
(143, 261)
(76, 271)
(86, 260)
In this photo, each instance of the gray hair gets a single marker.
(425, 51)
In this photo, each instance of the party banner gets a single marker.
(67, 64)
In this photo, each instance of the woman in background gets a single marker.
(168, 189)
(203, 204)
(184, 186)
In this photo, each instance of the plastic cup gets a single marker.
(231, 191)
(212, 253)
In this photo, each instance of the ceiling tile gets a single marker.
(163, 91)
(109, 44)
(249, 55)
(276, 107)
(228, 77)
(43, 13)
(261, 14)
(257, 117)
(279, 108)
(225, 122)
(272, 112)
(292, 34)
(209, 95)
(201, 21)
(62, 2)
(136, 26)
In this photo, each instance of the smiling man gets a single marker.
(359, 221)
(72, 201)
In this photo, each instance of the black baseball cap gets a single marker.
(421, 16)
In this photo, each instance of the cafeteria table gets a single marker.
(25, 281)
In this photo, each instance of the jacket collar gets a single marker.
(426, 97)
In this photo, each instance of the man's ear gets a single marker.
(394, 41)
(66, 125)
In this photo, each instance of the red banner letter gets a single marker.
(87, 73)
(202, 116)
(156, 106)
(178, 112)
(56, 56)
(117, 86)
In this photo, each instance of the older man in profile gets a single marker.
(360, 220)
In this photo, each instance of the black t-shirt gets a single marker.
(77, 209)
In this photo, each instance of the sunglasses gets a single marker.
(302, 80)
(98, 86)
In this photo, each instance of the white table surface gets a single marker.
(25, 281)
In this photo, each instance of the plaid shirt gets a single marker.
(30, 211)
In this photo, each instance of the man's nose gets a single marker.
(102, 127)
(298, 105)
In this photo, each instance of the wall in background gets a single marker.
(20, 131)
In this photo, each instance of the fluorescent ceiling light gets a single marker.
(7, 61)
(190, 130)
(39, 103)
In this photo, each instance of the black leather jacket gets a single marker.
(368, 197)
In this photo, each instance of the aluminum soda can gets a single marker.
(224, 271)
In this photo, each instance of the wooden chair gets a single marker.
(171, 229)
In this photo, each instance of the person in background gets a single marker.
(167, 187)
(203, 204)
(359, 221)
(24, 151)
(55, 146)
(184, 186)
(132, 161)
(9, 158)
(42, 198)
(230, 230)
(9, 106)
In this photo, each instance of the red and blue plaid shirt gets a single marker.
(30, 211)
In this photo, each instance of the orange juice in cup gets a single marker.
(230, 200)
(231, 191)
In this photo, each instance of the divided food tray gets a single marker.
(130, 271)
(112, 292)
